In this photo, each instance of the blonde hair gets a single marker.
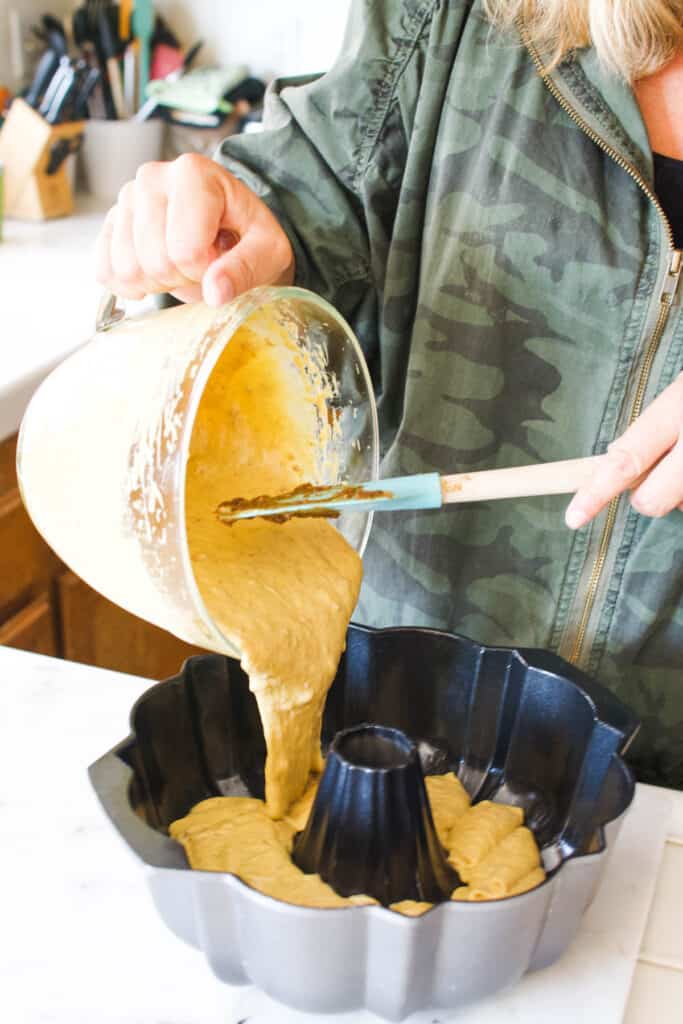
(634, 38)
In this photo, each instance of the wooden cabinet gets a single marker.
(97, 632)
(27, 565)
(32, 629)
(49, 610)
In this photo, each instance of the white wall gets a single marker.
(284, 37)
(29, 11)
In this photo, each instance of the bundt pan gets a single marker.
(522, 726)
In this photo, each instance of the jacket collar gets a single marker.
(604, 102)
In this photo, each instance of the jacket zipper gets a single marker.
(666, 300)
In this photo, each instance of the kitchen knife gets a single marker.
(54, 85)
(86, 85)
(47, 65)
(62, 96)
(61, 149)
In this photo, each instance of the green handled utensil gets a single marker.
(143, 29)
(422, 491)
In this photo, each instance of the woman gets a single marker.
(481, 201)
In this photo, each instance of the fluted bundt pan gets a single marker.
(518, 725)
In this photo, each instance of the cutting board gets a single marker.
(590, 984)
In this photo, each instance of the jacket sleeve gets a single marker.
(316, 166)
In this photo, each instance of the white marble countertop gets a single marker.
(82, 944)
(49, 299)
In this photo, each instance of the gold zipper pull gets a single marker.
(669, 294)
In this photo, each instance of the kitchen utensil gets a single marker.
(143, 29)
(62, 73)
(44, 73)
(86, 86)
(370, 829)
(151, 104)
(110, 47)
(521, 726)
(130, 75)
(56, 35)
(422, 491)
(112, 501)
(125, 12)
(165, 60)
(87, 37)
(62, 97)
(61, 149)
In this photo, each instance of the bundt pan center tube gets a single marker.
(370, 830)
(519, 726)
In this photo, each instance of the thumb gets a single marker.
(261, 255)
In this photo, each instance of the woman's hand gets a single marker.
(192, 229)
(651, 448)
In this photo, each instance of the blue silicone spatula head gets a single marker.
(420, 491)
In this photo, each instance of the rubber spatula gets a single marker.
(422, 491)
(143, 29)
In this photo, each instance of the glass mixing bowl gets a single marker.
(104, 444)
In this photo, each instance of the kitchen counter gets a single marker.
(49, 299)
(82, 943)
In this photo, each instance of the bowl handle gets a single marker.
(108, 312)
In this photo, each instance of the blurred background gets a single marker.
(88, 91)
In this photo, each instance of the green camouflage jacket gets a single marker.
(493, 237)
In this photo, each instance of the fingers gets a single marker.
(127, 273)
(633, 456)
(263, 253)
(103, 270)
(619, 469)
(149, 228)
(662, 490)
(191, 228)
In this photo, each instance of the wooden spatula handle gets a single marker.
(520, 481)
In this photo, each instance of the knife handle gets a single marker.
(54, 85)
(47, 65)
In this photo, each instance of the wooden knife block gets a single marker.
(26, 141)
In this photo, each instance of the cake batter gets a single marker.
(283, 594)
(235, 834)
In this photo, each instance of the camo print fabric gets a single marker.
(503, 274)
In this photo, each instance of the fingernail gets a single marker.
(575, 517)
(219, 290)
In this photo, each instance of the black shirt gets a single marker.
(669, 189)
